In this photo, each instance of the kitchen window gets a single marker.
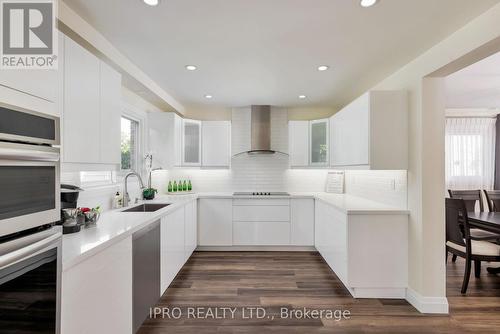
(129, 144)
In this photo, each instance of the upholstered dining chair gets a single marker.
(493, 200)
(471, 198)
(459, 241)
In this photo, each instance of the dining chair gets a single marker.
(470, 197)
(459, 241)
(493, 200)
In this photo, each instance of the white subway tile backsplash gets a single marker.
(265, 173)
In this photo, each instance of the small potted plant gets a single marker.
(149, 193)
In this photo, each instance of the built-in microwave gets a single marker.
(29, 170)
(26, 126)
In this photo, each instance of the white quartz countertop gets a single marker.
(114, 226)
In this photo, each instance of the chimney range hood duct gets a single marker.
(260, 142)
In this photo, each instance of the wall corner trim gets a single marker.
(428, 305)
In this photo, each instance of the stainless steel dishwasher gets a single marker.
(146, 272)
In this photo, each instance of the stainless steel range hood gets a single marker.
(260, 141)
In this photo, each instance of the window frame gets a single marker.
(136, 115)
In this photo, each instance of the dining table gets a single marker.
(487, 221)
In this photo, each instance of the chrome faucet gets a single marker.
(126, 197)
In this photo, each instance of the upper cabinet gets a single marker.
(216, 143)
(299, 143)
(177, 142)
(36, 90)
(110, 114)
(371, 132)
(165, 139)
(191, 137)
(309, 143)
(92, 108)
(81, 114)
(242, 130)
(318, 144)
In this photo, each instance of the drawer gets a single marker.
(261, 213)
(261, 201)
(261, 234)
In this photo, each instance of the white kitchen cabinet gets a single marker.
(367, 252)
(371, 132)
(177, 140)
(241, 131)
(110, 114)
(298, 143)
(319, 142)
(38, 83)
(302, 222)
(309, 142)
(279, 133)
(190, 228)
(257, 213)
(99, 289)
(261, 233)
(191, 139)
(165, 139)
(81, 116)
(92, 108)
(173, 253)
(216, 143)
(261, 222)
(215, 222)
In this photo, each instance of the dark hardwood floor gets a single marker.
(215, 280)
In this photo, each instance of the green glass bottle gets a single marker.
(190, 186)
(184, 186)
(175, 187)
(169, 186)
(180, 185)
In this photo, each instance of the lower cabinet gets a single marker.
(97, 294)
(178, 240)
(368, 252)
(302, 222)
(190, 229)
(261, 233)
(215, 222)
(172, 246)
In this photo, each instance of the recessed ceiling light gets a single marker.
(323, 67)
(208, 96)
(191, 67)
(151, 2)
(368, 3)
(302, 97)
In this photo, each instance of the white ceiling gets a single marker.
(476, 86)
(267, 51)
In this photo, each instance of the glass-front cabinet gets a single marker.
(318, 142)
(191, 138)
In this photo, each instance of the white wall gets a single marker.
(427, 273)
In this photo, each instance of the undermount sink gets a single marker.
(146, 208)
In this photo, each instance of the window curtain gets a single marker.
(470, 153)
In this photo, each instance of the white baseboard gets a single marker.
(256, 249)
(438, 305)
